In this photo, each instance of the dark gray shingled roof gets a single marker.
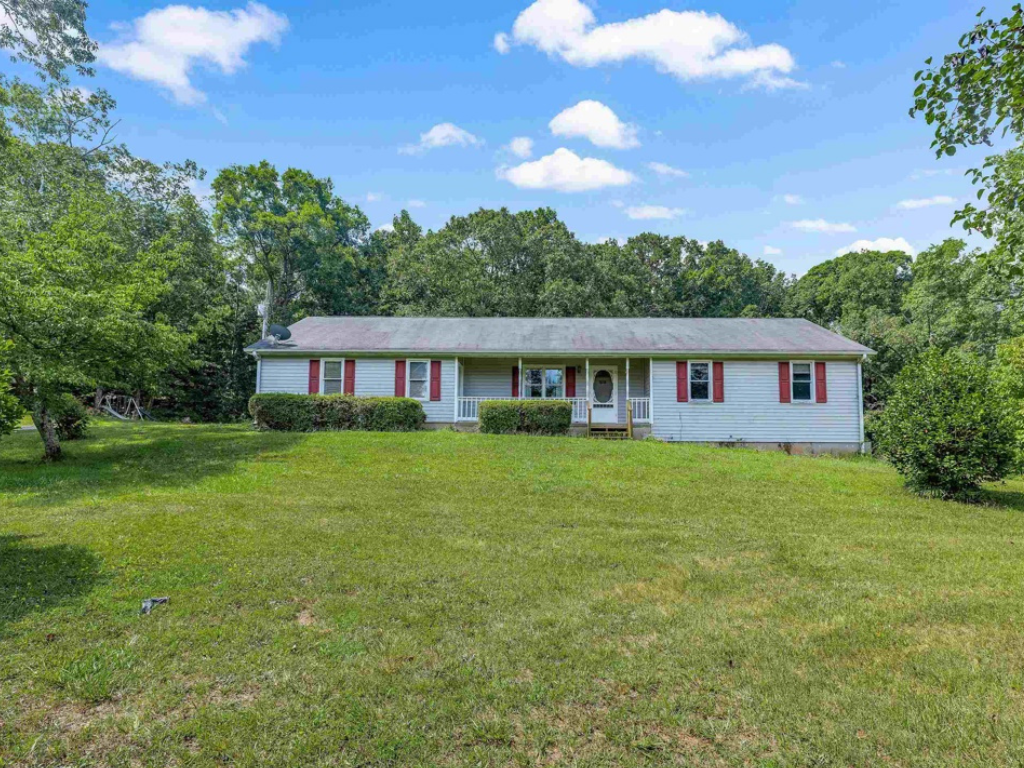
(533, 335)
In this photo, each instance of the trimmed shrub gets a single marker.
(70, 417)
(312, 413)
(946, 427)
(289, 413)
(499, 417)
(532, 417)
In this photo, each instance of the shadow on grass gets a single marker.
(125, 459)
(36, 578)
(997, 496)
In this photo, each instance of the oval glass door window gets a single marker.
(602, 387)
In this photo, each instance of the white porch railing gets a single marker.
(469, 408)
(641, 408)
(579, 409)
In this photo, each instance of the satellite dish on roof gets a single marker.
(280, 333)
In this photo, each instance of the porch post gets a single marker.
(522, 378)
(456, 408)
(588, 380)
(650, 393)
(627, 381)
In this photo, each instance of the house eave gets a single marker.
(783, 354)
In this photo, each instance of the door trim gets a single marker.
(607, 415)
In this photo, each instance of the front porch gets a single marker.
(615, 389)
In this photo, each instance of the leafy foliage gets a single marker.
(531, 417)
(968, 97)
(10, 408)
(945, 428)
(313, 413)
(49, 34)
(529, 264)
(296, 239)
(70, 417)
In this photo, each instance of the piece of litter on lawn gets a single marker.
(150, 602)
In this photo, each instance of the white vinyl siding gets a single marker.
(487, 378)
(752, 411)
(374, 377)
(288, 374)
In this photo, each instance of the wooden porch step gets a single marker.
(609, 433)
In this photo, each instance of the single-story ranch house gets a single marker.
(767, 383)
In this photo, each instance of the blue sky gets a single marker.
(789, 119)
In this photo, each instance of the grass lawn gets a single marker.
(26, 420)
(451, 599)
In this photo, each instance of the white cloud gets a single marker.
(597, 122)
(770, 250)
(374, 197)
(386, 228)
(521, 147)
(664, 169)
(164, 45)
(502, 44)
(442, 135)
(820, 225)
(565, 171)
(416, 204)
(881, 244)
(691, 45)
(646, 212)
(925, 202)
(792, 200)
(839, 64)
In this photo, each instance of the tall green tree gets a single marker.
(86, 246)
(860, 280)
(300, 243)
(75, 301)
(487, 264)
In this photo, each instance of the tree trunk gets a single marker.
(266, 308)
(97, 400)
(48, 432)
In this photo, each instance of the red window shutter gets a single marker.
(515, 381)
(785, 394)
(570, 381)
(718, 381)
(314, 377)
(682, 383)
(820, 384)
(435, 379)
(350, 377)
(399, 378)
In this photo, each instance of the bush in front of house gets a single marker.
(947, 428)
(70, 417)
(312, 413)
(532, 417)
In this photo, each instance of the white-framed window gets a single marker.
(418, 379)
(700, 381)
(544, 382)
(801, 382)
(332, 375)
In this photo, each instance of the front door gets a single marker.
(604, 394)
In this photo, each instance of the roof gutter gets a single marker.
(601, 353)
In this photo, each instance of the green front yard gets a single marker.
(450, 599)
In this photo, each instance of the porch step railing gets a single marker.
(641, 408)
(469, 408)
